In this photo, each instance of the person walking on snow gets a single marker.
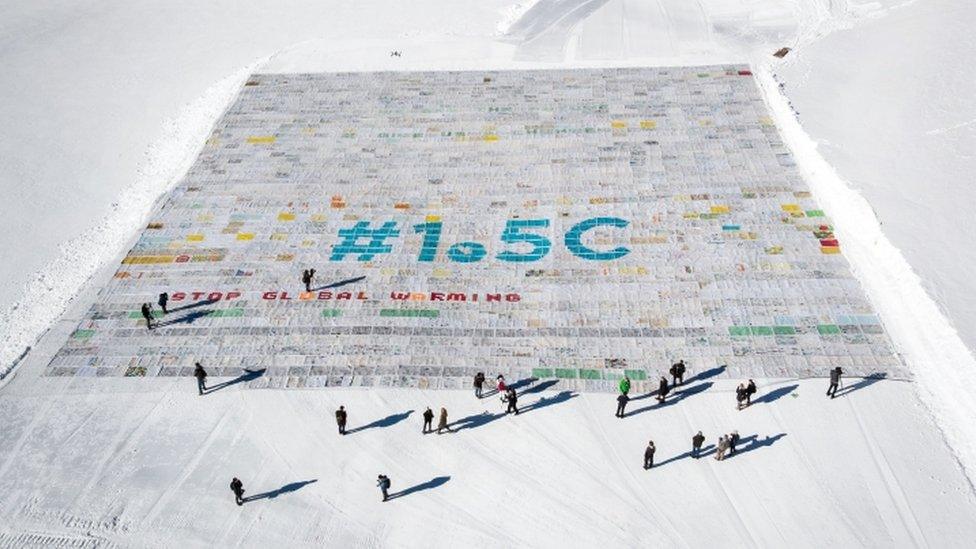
(147, 314)
(501, 384)
(341, 417)
(442, 422)
(678, 373)
(307, 276)
(479, 382)
(721, 447)
(428, 420)
(625, 385)
(834, 381)
(733, 440)
(696, 444)
(512, 398)
(662, 389)
(383, 482)
(201, 376)
(621, 404)
(649, 455)
(237, 487)
(163, 300)
(750, 390)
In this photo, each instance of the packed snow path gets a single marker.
(574, 224)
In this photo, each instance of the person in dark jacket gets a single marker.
(341, 417)
(740, 396)
(307, 276)
(201, 376)
(163, 300)
(750, 390)
(428, 420)
(733, 440)
(834, 381)
(512, 398)
(649, 455)
(678, 373)
(696, 444)
(622, 400)
(479, 383)
(383, 482)
(148, 315)
(662, 389)
(237, 487)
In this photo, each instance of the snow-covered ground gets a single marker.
(149, 464)
(106, 104)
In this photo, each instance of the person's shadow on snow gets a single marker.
(388, 421)
(705, 451)
(752, 442)
(775, 394)
(676, 397)
(867, 381)
(248, 375)
(430, 484)
(548, 401)
(294, 486)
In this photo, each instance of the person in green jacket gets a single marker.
(625, 385)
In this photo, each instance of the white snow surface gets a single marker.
(106, 105)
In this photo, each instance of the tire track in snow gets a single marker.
(895, 492)
(646, 500)
(188, 468)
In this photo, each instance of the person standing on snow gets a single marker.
(428, 420)
(662, 389)
(163, 300)
(677, 373)
(834, 381)
(733, 440)
(383, 482)
(740, 396)
(479, 382)
(147, 314)
(750, 390)
(442, 422)
(622, 400)
(201, 376)
(625, 385)
(501, 384)
(237, 487)
(696, 444)
(721, 447)
(341, 417)
(512, 398)
(649, 455)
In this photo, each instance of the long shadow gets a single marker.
(548, 401)
(700, 376)
(188, 319)
(193, 305)
(706, 374)
(776, 394)
(475, 420)
(430, 484)
(379, 423)
(540, 387)
(865, 382)
(522, 383)
(294, 486)
(248, 375)
(678, 397)
(752, 442)
(339, 283)
(705, 451)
